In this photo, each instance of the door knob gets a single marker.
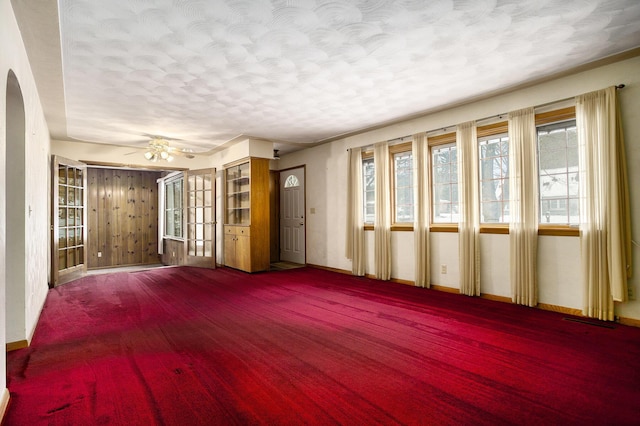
(301, 223)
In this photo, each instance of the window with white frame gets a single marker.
(493, 154)
(558, 173)
(403, 187)
(444, 163)
(369, 189)
(173, 208)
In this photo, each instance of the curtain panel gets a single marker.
(469, 223)
(523, 207)
(422, 204)
(604, 203)
(382, 223)
(355, 248)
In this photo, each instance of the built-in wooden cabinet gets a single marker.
(246, 228)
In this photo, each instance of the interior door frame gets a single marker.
(304, 171)
(77, 271)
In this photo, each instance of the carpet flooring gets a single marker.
(188, 346)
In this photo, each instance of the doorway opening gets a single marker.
(15, 217)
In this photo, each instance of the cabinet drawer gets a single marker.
(243, 230)
(230, 230)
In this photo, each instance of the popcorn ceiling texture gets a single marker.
(304, 70)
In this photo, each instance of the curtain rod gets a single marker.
(402, 138)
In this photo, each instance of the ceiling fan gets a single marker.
(159, 149)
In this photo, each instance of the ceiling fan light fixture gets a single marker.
(159, 149)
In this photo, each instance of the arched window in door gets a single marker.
(291, 182)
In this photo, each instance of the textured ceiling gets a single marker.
(207, 71)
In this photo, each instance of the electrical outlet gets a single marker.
(631, 293)
(99, 254)
(443, 269)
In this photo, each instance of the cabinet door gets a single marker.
(69, 229)
(243, 253)
(230, 250)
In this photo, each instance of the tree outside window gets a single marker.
(494, 178)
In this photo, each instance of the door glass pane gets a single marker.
(62, 175)
(62, 238)
(62, 217)
(207, 248)
(71, 177)
(62, 195)
(62, 259)
(207, 182)
(192, 248)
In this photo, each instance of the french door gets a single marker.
(69, 229)
(199, 217)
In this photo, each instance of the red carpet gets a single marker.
(187, 346)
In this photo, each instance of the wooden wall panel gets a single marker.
(122, 217)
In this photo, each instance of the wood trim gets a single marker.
(559, 231)
(492, 129)
(496, 298)
(401, 147)
(444, 289)
(327, 268)
(441, 139)
(4, 404)
(14, 346)
(563, 114)
(629, 321)
(448, 227)
(494, 229)
(96, 164)
(560, 309)
(403, 227)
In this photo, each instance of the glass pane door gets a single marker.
(200, 236)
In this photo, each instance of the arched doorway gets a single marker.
(15, 255)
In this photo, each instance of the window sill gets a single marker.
(443, 227)
(559, 231)
(167, 237)
(503, 229)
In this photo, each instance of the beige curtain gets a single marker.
(604, 203)
(422, 204)
(355, 248)
(469, 224)
(382, 223)
(523, 207)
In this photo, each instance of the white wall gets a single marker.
(559, 257)
(35, 206)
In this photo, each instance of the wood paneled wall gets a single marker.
(122, 226)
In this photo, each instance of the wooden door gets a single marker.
(69, 229)
(292, 216)
(199, 239)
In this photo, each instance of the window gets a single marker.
(493, 154)
(369, 188)
(444, 161)
(291, 182)
(403, 187)
(558, 173)
(173, 208)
